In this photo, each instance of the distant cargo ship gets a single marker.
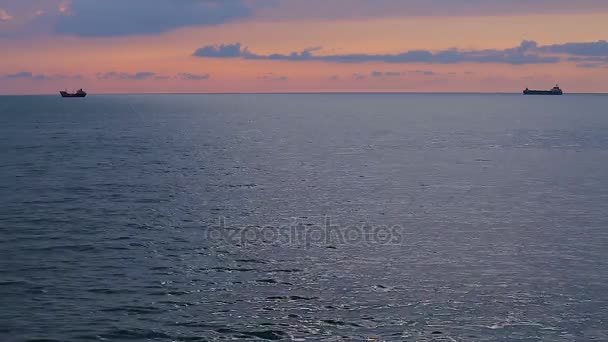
(79, 93)
(555, 91)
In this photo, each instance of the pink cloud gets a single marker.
(4, 16)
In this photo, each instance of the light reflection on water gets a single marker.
(201, 217)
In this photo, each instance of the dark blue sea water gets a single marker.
(304, 217)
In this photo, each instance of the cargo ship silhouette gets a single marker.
(555, 91)
(79, 93)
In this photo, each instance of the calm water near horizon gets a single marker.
(317, 217)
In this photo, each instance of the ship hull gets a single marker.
(64, 94)
(542, 92)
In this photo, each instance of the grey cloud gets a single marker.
(525, 53)
(590, 62)
(27, 75)
(111, 18)
(423, 72)
(349, 9)
(193, 77)
(590, 65)
(221, 51)
(107, 18)
(589, 59)
(147, 75)
(598, 49)
(143, 75)
(385, 74)
(22, 74)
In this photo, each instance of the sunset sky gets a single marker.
(174, 46)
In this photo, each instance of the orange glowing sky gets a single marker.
(149, 46)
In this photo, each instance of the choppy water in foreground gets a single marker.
(304, 217)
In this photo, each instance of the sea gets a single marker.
(304, 217)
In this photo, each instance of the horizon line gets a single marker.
(308, 93)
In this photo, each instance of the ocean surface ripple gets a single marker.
(343, 217)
